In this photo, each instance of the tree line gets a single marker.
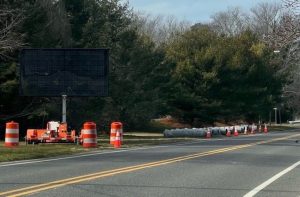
(224, 70)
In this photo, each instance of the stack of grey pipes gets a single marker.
(202, 132)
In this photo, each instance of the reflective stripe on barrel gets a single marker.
(89, 135)
(11, 134)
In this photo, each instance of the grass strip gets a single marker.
(44, 150)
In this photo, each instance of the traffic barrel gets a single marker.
(252, 129)
(116, 127)
(236, 133)
(246, 130)
(228, 133)
(12, 134)
(266, 129)
(117, 142)
(89, 135)
(208, 133)
(259, 129)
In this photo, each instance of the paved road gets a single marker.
(260, 165)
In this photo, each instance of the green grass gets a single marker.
(280, 128)
(24, 151)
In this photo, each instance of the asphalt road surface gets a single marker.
(254, 165)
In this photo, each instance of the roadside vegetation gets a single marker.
(225, 70)
(23, 152)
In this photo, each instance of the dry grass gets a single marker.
(170, 122)
(24, 151)
(281, 127)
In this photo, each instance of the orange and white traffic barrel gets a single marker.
(246, 130)
(114, 128)
(235, 133)
(208, 133)
(253, 129)
(265, 129)
(89, 135)
(12, 134)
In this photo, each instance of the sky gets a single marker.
(191, 10)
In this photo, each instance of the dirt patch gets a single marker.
(168, 121)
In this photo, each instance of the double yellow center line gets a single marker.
(98, 175)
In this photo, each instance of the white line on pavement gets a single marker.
(271, 180)
(16, 163)
(31, 161)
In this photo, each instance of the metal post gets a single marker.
(64, 108)
(279, 116)
(275, 115)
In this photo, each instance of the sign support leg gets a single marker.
(64, 108)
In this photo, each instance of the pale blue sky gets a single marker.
(191, 10)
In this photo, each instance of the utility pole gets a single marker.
(275, 114)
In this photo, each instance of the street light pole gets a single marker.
(275, 114)
(279, 116)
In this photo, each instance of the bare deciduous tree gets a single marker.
(290, 39)
(264, 18)
(291, 92)
(230, 23)
(292, 4)
(160, 29)
(287, 29)
(10, 39)
(273, 24)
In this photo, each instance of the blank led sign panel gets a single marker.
(57, 72)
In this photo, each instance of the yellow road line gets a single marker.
(88, 177)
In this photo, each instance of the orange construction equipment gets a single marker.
(228, 133)
(89, 135)
(236, 133)
(54, 133)
(116, 126)
(266, 129)
(208, 133)
(117, 142)
(11, 134)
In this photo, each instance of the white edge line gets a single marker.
(91, 154)
(271, 180)
(24, 162)
(70, 157)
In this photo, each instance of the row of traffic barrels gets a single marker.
(88, 134)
